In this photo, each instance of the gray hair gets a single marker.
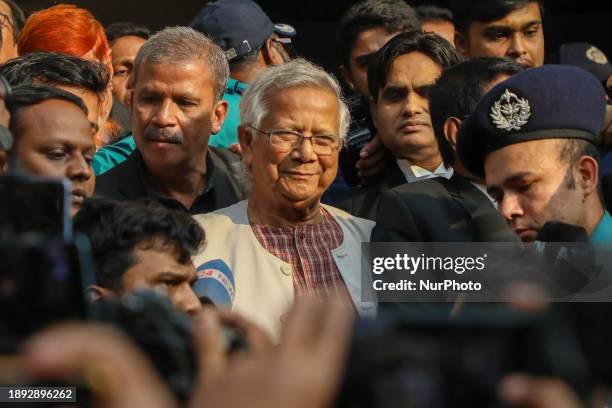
(297, 73)
(174, 45)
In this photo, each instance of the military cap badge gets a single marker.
(510, 112)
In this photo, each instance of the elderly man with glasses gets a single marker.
(282, 242)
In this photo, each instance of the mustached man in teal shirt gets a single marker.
(251, 43)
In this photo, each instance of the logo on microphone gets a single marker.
(215, 282)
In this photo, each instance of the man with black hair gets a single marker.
(141, 245)
(400, 79)
(439, 209)
(251, 43)
(12, 23)
(363, 30)
(125, 40)
(500, 28)
(86, 79)
(115, 31)
(437, 20)
(52, 137)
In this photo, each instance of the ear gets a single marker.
(373, 111)
(96, 293)
(271, 56)
(588, 170)
(218, 116)
(451, 130)
(345, 72)
(246, 139)
(462, 45)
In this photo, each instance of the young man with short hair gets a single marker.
(52, 137)
(141, 245)
(500, 28)
(363, 30)
(439, 209)
(400, 79)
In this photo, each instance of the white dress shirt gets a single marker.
(415, 173)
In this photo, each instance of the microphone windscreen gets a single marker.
(490, 226)
(554, 231)
(215, 283)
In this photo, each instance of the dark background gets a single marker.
(315, 20)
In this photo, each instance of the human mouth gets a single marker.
(526, 234)
(163, 136)
(525, 63)
(78, 196)
(162, 140)
(299, 175)
(413, 126)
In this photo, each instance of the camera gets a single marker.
(361, 131)
(34, 204)
(44, 269)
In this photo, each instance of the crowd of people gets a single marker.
(212, 152)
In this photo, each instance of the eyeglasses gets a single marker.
(285, 140)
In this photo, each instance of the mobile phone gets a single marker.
(33, 204)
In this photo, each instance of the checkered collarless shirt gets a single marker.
(308, 249)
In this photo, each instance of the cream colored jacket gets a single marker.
(264, 285)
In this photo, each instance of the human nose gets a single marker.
(414, 104)
(304, 150)
(517, 47)
(79, 169)
(509, 207)
(165, 115)
(187, 301)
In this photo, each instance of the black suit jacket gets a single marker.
(363, 201)
(439, 210)
(124, 182)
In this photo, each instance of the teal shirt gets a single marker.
(603, 231)
(229, 132)
(111, 155)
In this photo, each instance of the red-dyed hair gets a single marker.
(66, 29)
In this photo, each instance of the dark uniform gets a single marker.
(227, 183)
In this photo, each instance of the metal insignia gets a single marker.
(595, 55)
(510, 112)
(231, 54)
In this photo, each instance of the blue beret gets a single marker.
(550, 102)
(588, 57)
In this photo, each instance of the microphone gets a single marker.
(490, 226)
(566, 251)
(554, 231)
(215, 284)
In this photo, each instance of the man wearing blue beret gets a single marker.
(532, 137)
